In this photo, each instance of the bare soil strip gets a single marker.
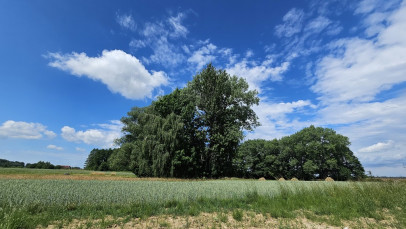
(219, 220)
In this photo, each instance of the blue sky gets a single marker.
(69, 70)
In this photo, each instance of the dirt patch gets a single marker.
(203, 220)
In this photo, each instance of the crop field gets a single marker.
(139, 203)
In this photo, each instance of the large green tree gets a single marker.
(312, 153)
(98, 159)
(223, 104)
(194, 131)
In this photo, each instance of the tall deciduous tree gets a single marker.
(223, 104)
(194, 131)
(97, 159)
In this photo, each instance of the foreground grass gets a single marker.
(32, 203)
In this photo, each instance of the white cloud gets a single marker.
(368, 6)
(161, 38)
(292, 23)
(377, 65)
(203, 56)
(80, 149)
(126, 21)
(137, 44)
(256, 74)
(274, 121)
(103, 136)
(121, 72)
(164, 53)
(24, 130)
(353, 84)
(54, 147)
(318, 24)
(376, 147)
(178, 29)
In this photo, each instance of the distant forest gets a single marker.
(39, 165)
(198, 131)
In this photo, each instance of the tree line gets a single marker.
(38, 165)
(197, 131)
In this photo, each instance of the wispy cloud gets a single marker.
(292, 23)
(80, 149)
(121, 72)
(179, 30)
(318, 24)
(54, 147)
(376, 147)
(377, 65)
(161, 38)
(126, 21)
(353, 82)
(103, 136)
(24, 130)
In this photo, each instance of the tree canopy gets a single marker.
(311, 153)
(197, 131)
(194, 131)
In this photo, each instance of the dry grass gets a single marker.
(223, 220)
(329, 179)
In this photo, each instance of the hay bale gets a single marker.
(281, 179)
(262, 179)
(329, 179)
(294, 179)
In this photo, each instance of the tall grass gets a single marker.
(28, 203)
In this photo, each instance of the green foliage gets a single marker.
(40, 165)
(8, 164)
(196, 132)
(223, 105)
(192, 132)
(312, 153)
(98, 159)
(238, 214)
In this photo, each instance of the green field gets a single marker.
(42, 172)
(31, 203)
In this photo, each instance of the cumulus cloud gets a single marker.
(256, 74)
(54, 147)
(203, 56)
(103, 136)
(274, 121)
(126, 21)
(24, 130)
(120, 72)
(292, 23)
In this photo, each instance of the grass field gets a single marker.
(44, 198)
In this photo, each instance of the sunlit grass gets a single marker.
(29, 203)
